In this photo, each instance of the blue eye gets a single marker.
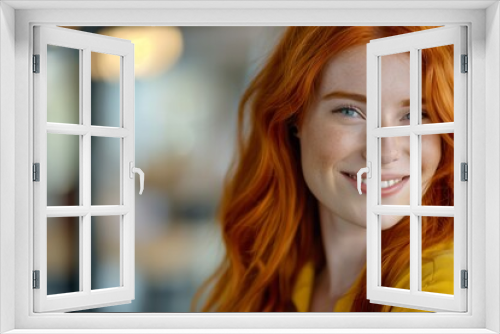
(425, 115)
(349, 112)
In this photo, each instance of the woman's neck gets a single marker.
(345, 250)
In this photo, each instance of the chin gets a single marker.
(391, 224)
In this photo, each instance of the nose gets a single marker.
(390, 150)
(387, 119)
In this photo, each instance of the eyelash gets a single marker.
(425, 115)
(353, 108)
(356, 110)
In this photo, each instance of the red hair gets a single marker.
(269, 218)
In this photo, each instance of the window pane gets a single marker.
(437, 85)
(105, 252)
(395, 171)
(63, 176)
(395, 90)
(63, 253)
(437, 167)
(105, 171)
(395, 239)
(63, 85)
(105, 89)
(437, 254)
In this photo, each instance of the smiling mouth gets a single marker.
(383, 184)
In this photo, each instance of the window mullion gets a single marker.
(420, 129)
(109, 210)
(67, 129)
(418, 153)
(432, 128)
(103, 131)
(392, 131)
(86, 167)
(415, 264)
(81, 232)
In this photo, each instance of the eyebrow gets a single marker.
(341, 94)
(359, 97)
(406, 103)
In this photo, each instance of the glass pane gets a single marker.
(437, 85)
(395, 171)
(395, 240)
(395, 90)
(63, 85)
(105, 89)
(63, 253)
(63, 176)
(437, 254)
(437, 169)
(105, 171)
(105, 252)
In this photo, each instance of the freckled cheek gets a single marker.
(431, 154)
(328, 148)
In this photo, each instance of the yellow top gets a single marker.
(437, 276)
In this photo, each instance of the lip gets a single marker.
(385, 192)
(395, 188)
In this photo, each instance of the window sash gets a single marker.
(413, 43)
(86, 298)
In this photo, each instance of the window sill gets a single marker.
(247, 331)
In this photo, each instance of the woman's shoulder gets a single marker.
(437, 272)
(437, 276)
(437, 269)
(302, 290)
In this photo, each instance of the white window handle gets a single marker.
(139, 171)
(368, 172)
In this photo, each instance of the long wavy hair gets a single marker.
(268, 217)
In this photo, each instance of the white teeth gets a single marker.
(383, 184)
(389, 183)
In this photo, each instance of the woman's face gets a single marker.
(333, 137)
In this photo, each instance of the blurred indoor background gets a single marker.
(187, 87)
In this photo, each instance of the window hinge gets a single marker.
(465, 64)
(465, 279)
(36, 63)
(36, 279)
(36, 172)
(465, 171)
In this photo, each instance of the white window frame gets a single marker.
(484, 148)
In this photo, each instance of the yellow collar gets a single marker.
(302, 292)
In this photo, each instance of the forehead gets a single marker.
(347, 72)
